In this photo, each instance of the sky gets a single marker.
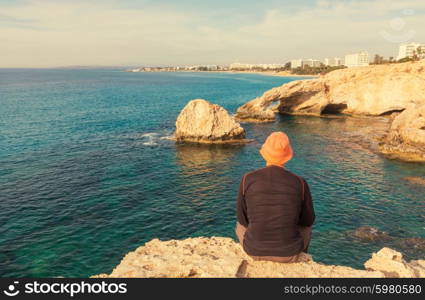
(54, 33)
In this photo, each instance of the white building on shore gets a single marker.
(359, 59)
(296, 63)
(241, 66)
(301, 63)
(333, 62)
(312, 63)
(409, 50)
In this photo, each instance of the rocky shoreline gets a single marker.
(396, 90)
(223, 257)
(406, 137)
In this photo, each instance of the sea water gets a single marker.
(87, 172)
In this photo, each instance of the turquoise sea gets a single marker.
(87, 174)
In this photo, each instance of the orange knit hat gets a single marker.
(277, 150)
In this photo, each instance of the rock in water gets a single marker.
(203, 122)
(370, 234)
(406, 138)
(415, 243)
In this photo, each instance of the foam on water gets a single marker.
(153, 138)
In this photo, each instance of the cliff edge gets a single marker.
(223, 257)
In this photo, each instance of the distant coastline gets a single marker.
(266, 73)
(272, 73)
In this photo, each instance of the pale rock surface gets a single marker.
(392, 264)
(203, 122)
(371, 90)
(223, 257)
(406, 137)
(256, 111)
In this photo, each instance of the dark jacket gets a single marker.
(272, 202)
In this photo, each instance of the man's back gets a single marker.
(272, 204)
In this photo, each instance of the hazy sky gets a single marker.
(47, 33)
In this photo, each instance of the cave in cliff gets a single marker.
(333, 109)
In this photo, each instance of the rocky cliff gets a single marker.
(406, 137)
(222, 257)
(203, 122)
(373, 90)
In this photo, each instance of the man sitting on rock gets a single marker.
(274, 207)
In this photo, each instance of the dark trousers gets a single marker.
(305, 232)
